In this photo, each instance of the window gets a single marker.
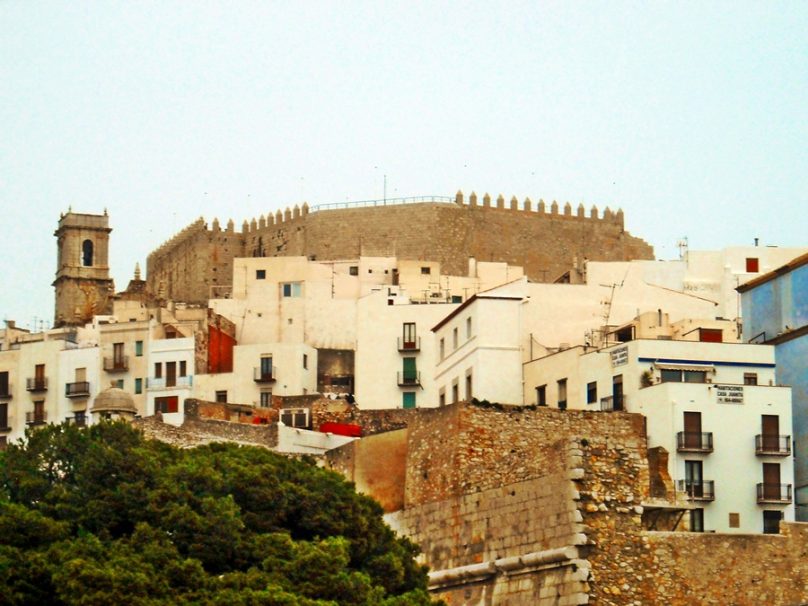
(694, 479)
(457, 299)
(3, 442)
(468, 327)
(408, 338)
(305, 361)
(442, 397)
(221, 396)
(697, 520)
(454, 339)
(468, 385)
(266, 399)
(752, 265)
(592, 392)
(138, 348)
(4, 415)
(425, 271)
(353, 270)
(695, 376)
(541, 395)
(39, 411)
(734, 520)
(295, 417)
(183, 368)
(158, 370)
(771, 521)
(117, 355)
(171, 374)
(442, 349)
(675, 375)
(266, 367)
(138, 385)
(80, 418)
(167, 404)
(408, 399)
(409, 371)
(87, 253)
(291, 289)
(750, 378)
(455, 392)
(119, 383)
(260, 274)
(562, 394)
(4, 388)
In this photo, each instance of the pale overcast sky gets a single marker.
(691, 116)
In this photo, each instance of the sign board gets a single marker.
(619, 356)
(729, 394)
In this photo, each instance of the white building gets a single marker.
(714, 407)
(479, 353)
(171, 377)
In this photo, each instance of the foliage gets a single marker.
(102, 516)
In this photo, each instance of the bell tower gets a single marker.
(83, 286)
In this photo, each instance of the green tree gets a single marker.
(102, 516)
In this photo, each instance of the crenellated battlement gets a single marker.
(544, 238)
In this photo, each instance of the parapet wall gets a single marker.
(546, 240)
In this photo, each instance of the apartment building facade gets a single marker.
(714, 407)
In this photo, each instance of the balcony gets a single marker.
(79, 389)
(774, 493)
(694, 441)
(36, 417)
(409, 379)
(613, 404)
(36, 384)
(116, 364)
(409, 345)
(78, 420)
(703, 490)
(156, 383)
(772, 445)
(264, 375)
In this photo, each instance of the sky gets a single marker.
(690, 116)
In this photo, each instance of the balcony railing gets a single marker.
(703, 490)
(154, 383)
(265, 375)
(413, 344)
(773, 493)
(5, 392)
(79, 389)
(36, 418)
(36, 384)
(612, 403)
(409, 378)
(116, 364)
(772, 445)
(694, 441)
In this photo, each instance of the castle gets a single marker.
(197, 263)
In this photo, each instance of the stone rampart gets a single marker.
(546, 240)
(524, 505)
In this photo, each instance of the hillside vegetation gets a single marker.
(102, 516)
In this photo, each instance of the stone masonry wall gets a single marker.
(546, 241)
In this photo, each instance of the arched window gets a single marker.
(87, 253)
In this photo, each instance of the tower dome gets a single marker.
(113, 403)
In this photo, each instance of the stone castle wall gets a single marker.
(547, 241)
(523, 505)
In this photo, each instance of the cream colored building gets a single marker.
(261, 371)
(714, 407)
